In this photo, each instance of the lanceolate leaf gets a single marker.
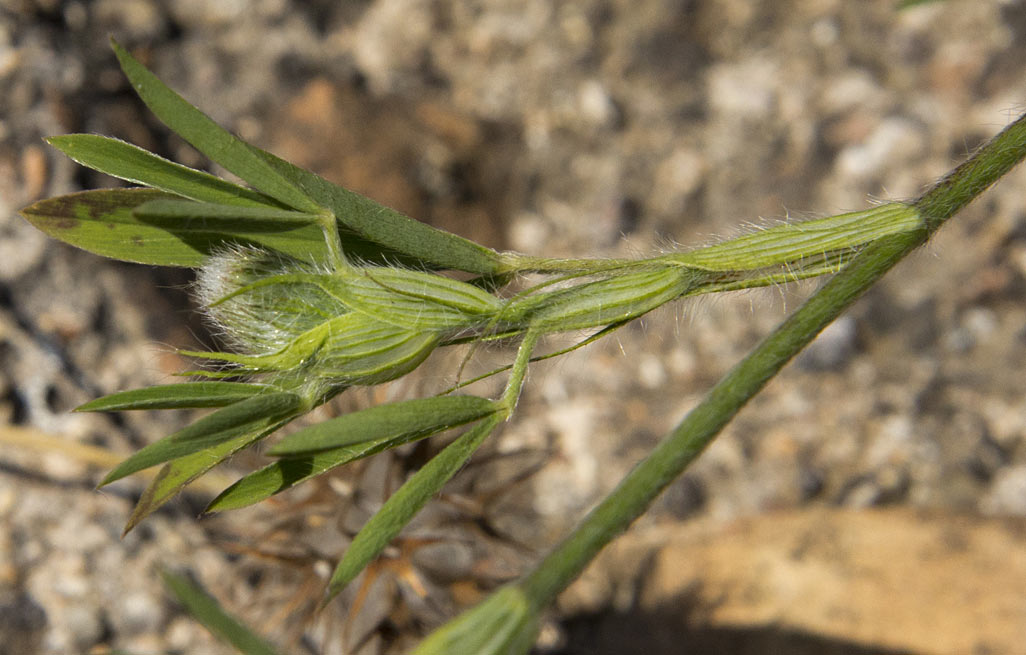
(133, 164)
(208, 137)
(104, 222)
(290, 471)
(175, 475)
(404, 504)
(409, 418)
(246, 417)
(173, 212)
(281, 475)
(182, 235)
(176, 396)
(382, 225)
(209, 612)
(504, 623)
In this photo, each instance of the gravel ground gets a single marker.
(599, 127)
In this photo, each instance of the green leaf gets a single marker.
(404, 504)
(368, 231)
(504, 623)
(290, 471)
(393, 231)
(208, 137)
(246, 417)
(205, 609)
(409, 419)
(173, 477)
(175, 211)
(281, 475)
(133, 164)
(103, 222)
(185, 395)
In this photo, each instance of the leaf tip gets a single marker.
(214, 506)
(114, 45)
(110, 478)
(131, 523)
(122, 470)
(330, 591)
(91, 406)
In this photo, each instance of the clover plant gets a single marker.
(317, 289)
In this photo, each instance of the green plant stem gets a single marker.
(683, 445)
(519, 372)
(517, 263)
(973, 176)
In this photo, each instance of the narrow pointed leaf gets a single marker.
(104, 222)
(504, 623)
(290, 471)
(410, 417)
(133, 164)
(281, 475)
(205, 609)
(175, 211)
(404, 504)
(393, 231)
(208, 137)
(186, 395)
(246, 417)
(174, 476)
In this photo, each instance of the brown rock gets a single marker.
(895, 580)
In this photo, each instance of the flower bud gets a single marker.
(416, 299)
(289, 320)
(601, 302)
(254, 318)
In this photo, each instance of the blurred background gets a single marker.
(872, 499)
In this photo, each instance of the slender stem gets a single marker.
(518, 263)
(971, 178)
(646, 481)
(519, 372)
(679, 448)
(329, 225)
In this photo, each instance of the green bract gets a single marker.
(290, 321)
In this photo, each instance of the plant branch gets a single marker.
(684, 443)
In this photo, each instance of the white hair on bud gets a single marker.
(261, 320)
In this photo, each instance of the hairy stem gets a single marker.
(681, 446)
(684, 443)
(678, 449)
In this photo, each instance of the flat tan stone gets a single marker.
(897, 579)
